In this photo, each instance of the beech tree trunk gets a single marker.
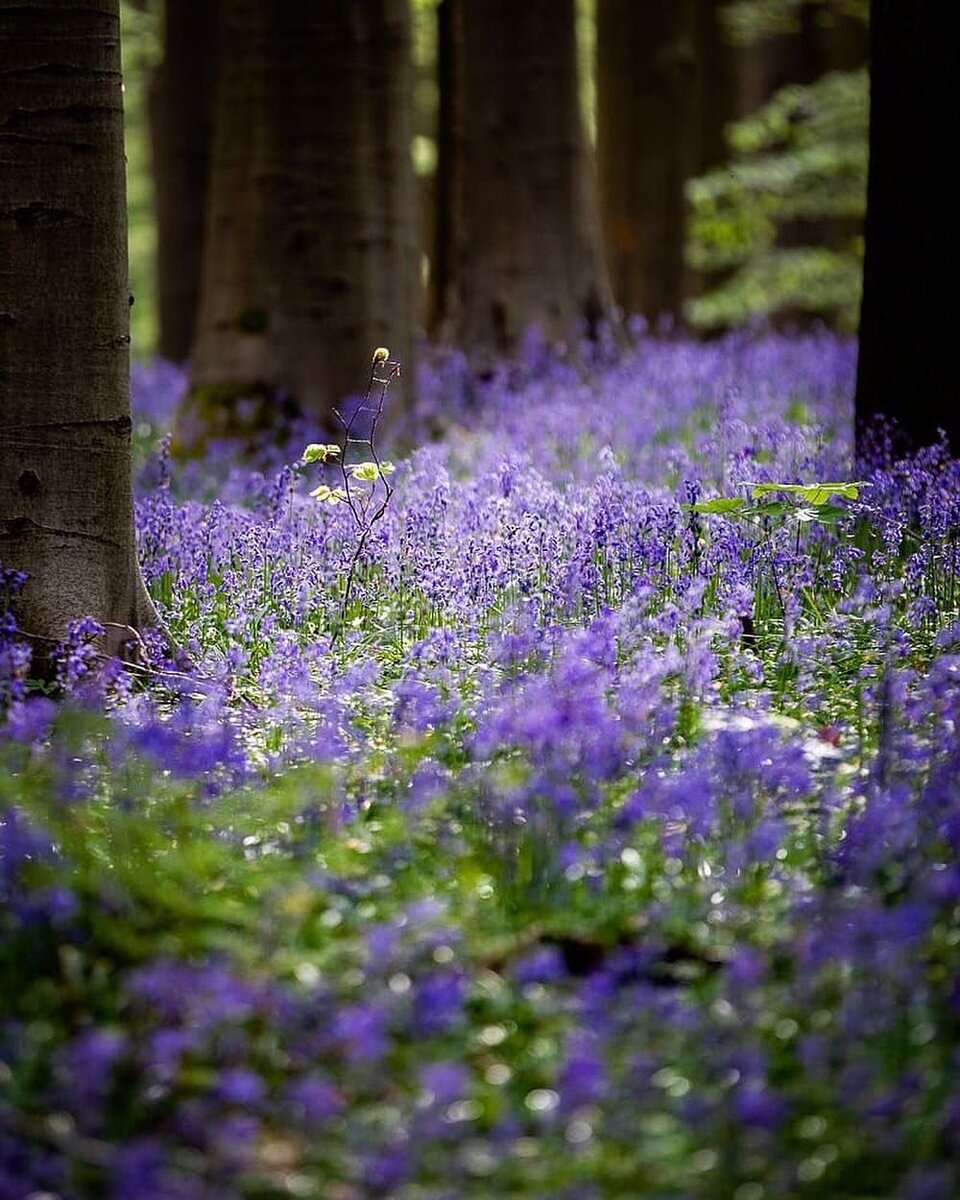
(66, 505)
(448, 180)
(530, 249)
(648, 145)
(906, 369)
(824, 40)
(718, 99)
(310, 247)
(181, 129)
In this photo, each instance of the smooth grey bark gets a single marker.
(311, 242)
(181, 135)
(530, 249)
(66, 503)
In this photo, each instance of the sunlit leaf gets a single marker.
(317, 452)
(365, 472)
(727, 505)
(328, 495)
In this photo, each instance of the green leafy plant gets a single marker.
(364, 484)
(805, 501)
(800, 164)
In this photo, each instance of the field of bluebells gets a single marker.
(599, 841)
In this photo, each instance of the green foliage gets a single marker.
(800, 161)
(810, 493)
(749, 21)
(369, 472)
(810, 280)
(316, 452)
(805, 502)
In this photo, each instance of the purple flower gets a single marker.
(89, 1062)
(543, 965)
(583, 1075)
(754, 1103)
(438, 1002)
(385, 1169)
(314, 1100)
(362, 1032)
(445, 1082)
(241, 1086)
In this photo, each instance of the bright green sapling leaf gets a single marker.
(810, 493)
(317, 452)
(729, 505)
(328, 495)
(369, 472)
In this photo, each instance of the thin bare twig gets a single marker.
(383, 371)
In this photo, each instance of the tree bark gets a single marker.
(822, 41)
(66, 505)
(530, 252)
(448, 180)
(648, 145)
(181, 129)
(906, 368)
(717, 91)
(310, 248)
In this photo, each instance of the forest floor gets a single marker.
(600, 839)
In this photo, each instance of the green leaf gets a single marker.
(829, 514)
(317, 452)
(368, 472)
(728, 505)
(772, 508)
(328, 495)
(809, 493)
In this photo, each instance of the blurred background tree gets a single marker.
(181, 108)
(778, 229)
(730, 139)
(527, 247)
(309, 248)
(666, 88)
(731, 147)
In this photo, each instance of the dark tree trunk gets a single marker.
(530, 250)
(447, 195)
(648, 145)
(907, 323)
(824, 40)
(66, 506)
(310, 245)
(717, 94)
(773, 62)
(845, 43)
(181, 128)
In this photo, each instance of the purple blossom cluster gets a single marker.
(610, 849)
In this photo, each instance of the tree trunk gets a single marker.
(717, 93)
(906, 368)
(181, 128)
(824, 40)
(66, 505)
(531, 249)
(311, 245)
(648, 145)
(777, 60)
(447, 193)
